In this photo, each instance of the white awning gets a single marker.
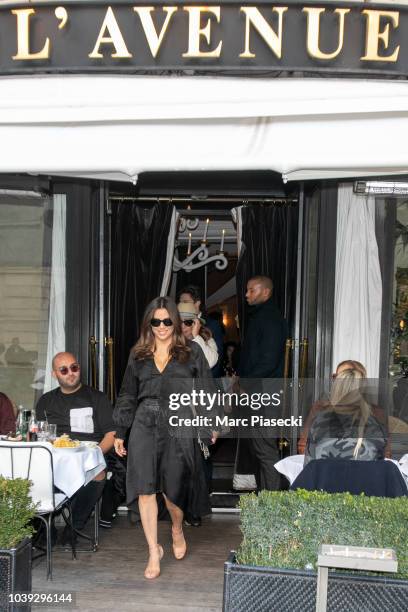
(119, 126)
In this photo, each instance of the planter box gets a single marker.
(250, 588)
(15, 574)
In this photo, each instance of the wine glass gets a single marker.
(52, 432)
(43, 431)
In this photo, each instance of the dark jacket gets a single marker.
(373, 478)
(7, 416)
(216, 330)
(334, 435)
(263, 347)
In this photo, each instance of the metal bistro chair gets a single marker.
(33, 461)
(92, 539)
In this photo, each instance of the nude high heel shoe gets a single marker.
(179, 544)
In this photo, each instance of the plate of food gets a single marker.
(14, 438)
(65, 441)
(89, 443)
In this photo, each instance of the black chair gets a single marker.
(373, 478)
(33, 461)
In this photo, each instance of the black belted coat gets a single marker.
(161, 457)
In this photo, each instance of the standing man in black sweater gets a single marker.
(262, 356)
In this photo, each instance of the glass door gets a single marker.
(309, 364)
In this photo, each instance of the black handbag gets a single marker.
(203, 441)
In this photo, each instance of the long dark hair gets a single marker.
(144, 347)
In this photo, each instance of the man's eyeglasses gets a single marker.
(156, 322)
(188, 322)
(74, 368)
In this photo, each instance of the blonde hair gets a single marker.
(346, 398)
(353, 365)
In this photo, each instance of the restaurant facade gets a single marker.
(124, 127)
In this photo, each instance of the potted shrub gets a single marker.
(16, 510)
(275, 566)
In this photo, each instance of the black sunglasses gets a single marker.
(74, 367)
(156, 322)
(188, 322)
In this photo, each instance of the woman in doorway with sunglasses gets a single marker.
(193, 329)
(162, 363)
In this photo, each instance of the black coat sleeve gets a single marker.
(269, 348)
(126, 404)
(204, 381)
(104, 413)
(202, 368)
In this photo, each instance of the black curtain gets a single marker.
(269, 241)
(82, 267)
(139, 252)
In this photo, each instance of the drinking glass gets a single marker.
(52, 432)
(43, 431)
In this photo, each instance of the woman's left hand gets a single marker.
(215, 436)
(120, 447)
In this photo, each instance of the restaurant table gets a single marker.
(291, 466)
(73, 467)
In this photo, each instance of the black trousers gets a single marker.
(83, 502)
(267, 454)
(111, 499)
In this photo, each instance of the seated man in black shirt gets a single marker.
(85, 414)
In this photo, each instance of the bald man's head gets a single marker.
(66, 369)
(259, 290)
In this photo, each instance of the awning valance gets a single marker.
(119, 126)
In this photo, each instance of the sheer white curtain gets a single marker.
(56, 323)
(358, 290)
(237, 218)
(170, 253)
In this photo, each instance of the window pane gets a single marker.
(26, 234)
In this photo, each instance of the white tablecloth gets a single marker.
(74, 467)
(291, 466)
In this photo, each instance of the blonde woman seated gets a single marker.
(346, 428)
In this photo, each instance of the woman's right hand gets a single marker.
(195, 329)
(120, 447)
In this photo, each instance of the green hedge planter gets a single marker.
(16, 510)
(275, 566)
(15, 575)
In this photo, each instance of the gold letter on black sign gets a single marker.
(154, 40)
(373, 35)
(115, 38)
(23, 37)
(196, 32)
(255, 18)
(313, 32)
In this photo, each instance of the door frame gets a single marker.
(323, 302)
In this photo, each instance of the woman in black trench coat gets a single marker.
(162, 457)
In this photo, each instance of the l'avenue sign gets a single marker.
(261, 37)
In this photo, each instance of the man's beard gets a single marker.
(70, 386)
